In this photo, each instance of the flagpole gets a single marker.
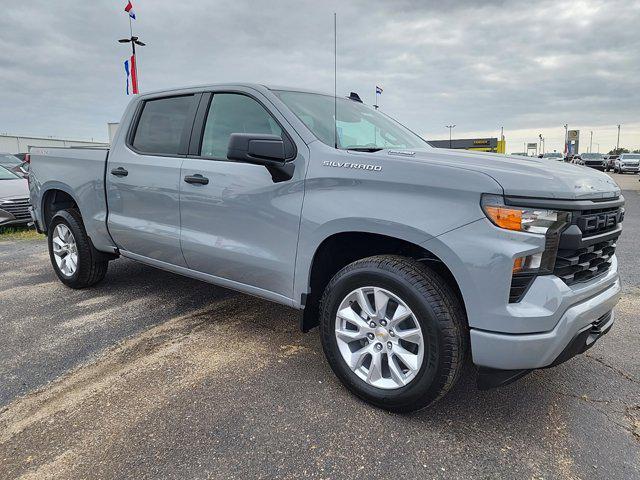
(133, 40)
(135, 59)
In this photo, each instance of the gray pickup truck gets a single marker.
(408, 258)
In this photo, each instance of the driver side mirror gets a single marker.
(262, 149)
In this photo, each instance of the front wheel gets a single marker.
(393, 331)
(75, 261)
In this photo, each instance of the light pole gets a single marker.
(591, 142)
(566, 139)
(618, 142)
(598, 147)
(450, 127)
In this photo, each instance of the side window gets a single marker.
(162, 124)
(234, 113)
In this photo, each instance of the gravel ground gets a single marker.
(154, 375)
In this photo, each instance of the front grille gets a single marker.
(19, 208)
(583, 264)
(599, 221)
(588, 244)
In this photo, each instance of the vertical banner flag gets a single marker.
(378, 92)
(129, 10)
(126, 69)
(134, 75)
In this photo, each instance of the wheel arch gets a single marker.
(339, 249)
(55, 198)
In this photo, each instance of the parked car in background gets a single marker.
(14, 199)
(611, 162)
(13, 163)
(627, 162)
(593, 160)
(553, 156)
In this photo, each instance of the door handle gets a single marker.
(196, 179)
(119, 172)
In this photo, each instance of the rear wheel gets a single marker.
(393, 331)
(74, 259)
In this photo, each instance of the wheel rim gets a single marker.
(65, 250)
(379, 337)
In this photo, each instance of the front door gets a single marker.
(143, 180)
(241, 225)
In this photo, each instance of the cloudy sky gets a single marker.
(530, 66)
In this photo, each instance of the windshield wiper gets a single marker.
(365, 149)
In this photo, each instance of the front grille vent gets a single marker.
(583, 264)
(19, 208)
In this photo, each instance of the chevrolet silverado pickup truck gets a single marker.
(410, 259)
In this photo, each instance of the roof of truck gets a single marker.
(257, 86)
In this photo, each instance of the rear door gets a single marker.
(241, 225)
(143, 179)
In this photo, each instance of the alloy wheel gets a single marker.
(65, 250)
(379, 337)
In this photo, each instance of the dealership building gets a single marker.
(478, 144)
(22, 144)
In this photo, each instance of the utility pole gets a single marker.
(540, 142)
(598, 147)
(591, 143)
(618, 142)
(450, 127)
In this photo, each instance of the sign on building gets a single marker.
(573, 141)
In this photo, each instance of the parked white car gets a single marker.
(14, 199)
(553, 156)
(627, 162)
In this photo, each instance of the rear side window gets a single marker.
(234, 113)
(162, 124)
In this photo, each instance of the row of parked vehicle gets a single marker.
(14, 190)
(624, 163)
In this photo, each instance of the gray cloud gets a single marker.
(525, 65)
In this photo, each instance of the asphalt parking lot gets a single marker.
(154, 375)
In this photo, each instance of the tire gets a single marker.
(435, 309)
(90, 266)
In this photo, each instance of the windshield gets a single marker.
(632, 156)
(358, 127)
(9, 160)
(591, 156)
(7, 175)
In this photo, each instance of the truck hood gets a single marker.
(14, 188)
(525, 176)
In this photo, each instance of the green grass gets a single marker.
(19, 233)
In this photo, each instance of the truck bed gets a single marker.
(78, 172)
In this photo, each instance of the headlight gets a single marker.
(522, 219)
(540, 221)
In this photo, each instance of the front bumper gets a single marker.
(533, 332)
(598, 166)
(538, 350)
(628, 168)
(492, 377)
